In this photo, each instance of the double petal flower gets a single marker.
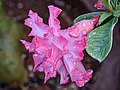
(59, 51)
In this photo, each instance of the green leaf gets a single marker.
(100, 40)
(104, 16)
(108, 4)
(116, 12)
(87, 16)
(114, 3)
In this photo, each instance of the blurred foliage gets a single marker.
(11, 65)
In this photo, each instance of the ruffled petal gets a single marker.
(84, 27)
(38, 60)
(75, 45)
(54, 23)
(28, 45)
(74, 54)
(62, 71)
(37, 25)
(48, 64)
(42, 45)
(76, 70)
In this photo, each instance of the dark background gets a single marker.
(106, 74)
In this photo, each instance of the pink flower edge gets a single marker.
(59, 51)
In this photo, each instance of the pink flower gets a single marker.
(100, 5)
(59, 51)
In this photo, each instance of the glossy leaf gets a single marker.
(114, 3)
(87, 16)
(116, 12)
(104, 16)
(100, 40)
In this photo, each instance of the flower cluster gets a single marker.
(59, 51)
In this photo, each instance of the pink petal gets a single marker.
(28, 45)
(76, 70)
(100, 5)
(75, 45)
(38, 59)
(60, 42)
(49, 71)
(37, 25)
(53, 60)
(54, 23)
(48, 64)
(73, 56)
(78, 47)
(83, 77)
(84, 27)
(42, 45)
(63, 72)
